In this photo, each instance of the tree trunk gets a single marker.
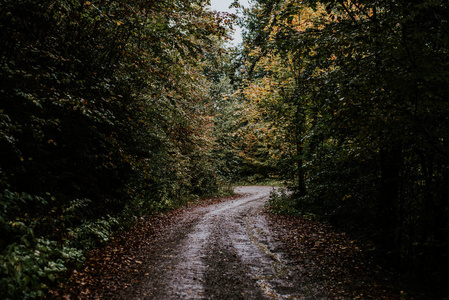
(301, 185)
(390, 167)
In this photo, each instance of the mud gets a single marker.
(224, 251)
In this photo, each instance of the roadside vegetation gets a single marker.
(104, 117)
(113, 110)
(352, 96)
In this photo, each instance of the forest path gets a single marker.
(223, 251)
(230, 248)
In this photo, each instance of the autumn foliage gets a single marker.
(355, 96)
(101, 120)
(115, 109)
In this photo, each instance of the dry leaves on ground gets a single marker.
(122, 263)
(331, 259)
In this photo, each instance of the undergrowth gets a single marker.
(280, 202)
(38, 250)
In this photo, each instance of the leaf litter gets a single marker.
(121, 264)
(326, 260)
(331, 260)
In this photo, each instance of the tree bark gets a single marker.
(391, 161)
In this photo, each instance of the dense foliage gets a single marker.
(357, 92)
(102, 118)
(114, 109)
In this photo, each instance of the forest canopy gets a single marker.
(103, 118)
(111, 110)
(355, 94)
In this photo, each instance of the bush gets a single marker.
(91, 234)
(27, 268)
(281, 202)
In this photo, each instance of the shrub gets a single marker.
(27, 268)
(280, 202)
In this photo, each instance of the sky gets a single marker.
(223, 5)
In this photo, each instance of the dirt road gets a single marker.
(227, 248)
(223, 251)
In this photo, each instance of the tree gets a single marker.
(100, 121)
(370, 82)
